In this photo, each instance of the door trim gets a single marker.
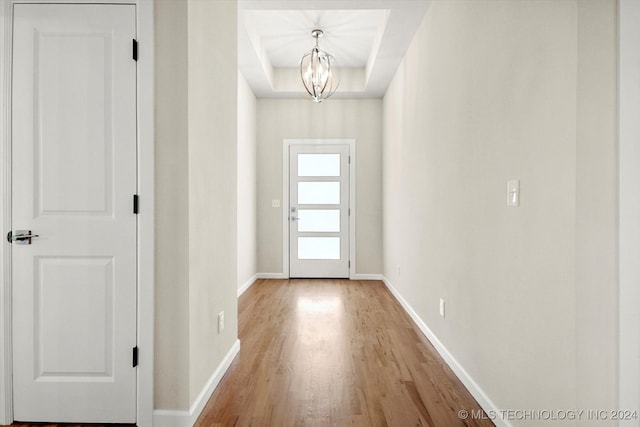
(146, 218)
(287, 143)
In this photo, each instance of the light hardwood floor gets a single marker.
(69, 425)
(334, 353)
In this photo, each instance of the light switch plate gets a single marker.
(513, 193)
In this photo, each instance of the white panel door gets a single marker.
(319, 211)
(73, 180)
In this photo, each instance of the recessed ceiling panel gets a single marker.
(368, 38)
(286, 34)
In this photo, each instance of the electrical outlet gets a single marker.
(275, 203)
(513, 193)
(220, 321)
(441, 307)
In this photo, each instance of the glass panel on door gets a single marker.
(319, 193)
(318, 248)
(318, 164)
(314, 220)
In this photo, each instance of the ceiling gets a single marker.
(368, 38)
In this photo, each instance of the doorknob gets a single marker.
(21, 237)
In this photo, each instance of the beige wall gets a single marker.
(172, 207)
(196, 186)
(596, 206)
(247, 229)
(491, 91)
(280, 119)
(212, 185)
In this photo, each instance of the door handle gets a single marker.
(21, 237)
(294, 218)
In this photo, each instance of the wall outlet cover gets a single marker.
(220, 321)
(513, 193)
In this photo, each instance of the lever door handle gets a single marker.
(21, 237)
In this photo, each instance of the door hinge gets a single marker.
(135, 49)
(349, 263)
(349, 211)
(135, 356)
(349, 159)
(136, 205)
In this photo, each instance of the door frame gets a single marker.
(145, 251)
(287, 143)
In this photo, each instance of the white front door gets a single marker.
(73, 180)
(319, 210)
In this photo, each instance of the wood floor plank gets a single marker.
(334, 353)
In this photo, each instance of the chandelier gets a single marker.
(319, 77)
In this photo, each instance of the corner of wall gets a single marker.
(196, 135)
(247, 184)
(629, 207)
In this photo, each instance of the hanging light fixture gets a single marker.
(319, 77)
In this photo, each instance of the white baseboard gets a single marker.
(162, 418)
(366, 277)
(284, 276)
(473, 387)
(242, 289)
(272, 276)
